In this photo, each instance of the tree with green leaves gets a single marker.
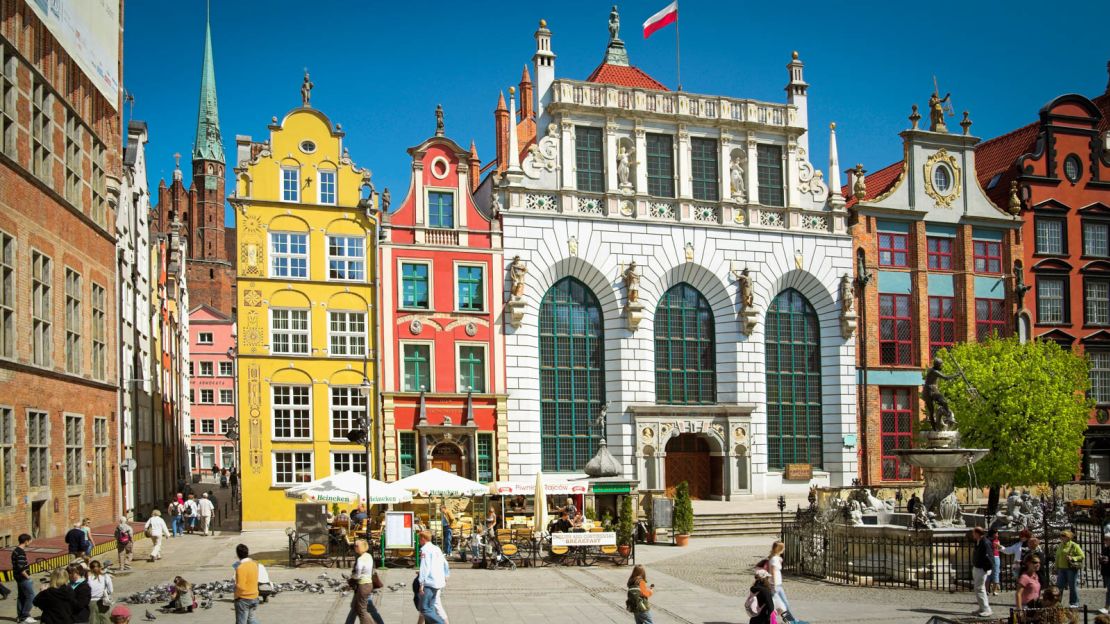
(626, 522)
(1026, 402)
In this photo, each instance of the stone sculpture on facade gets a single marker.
(937, 410)
(624, 168)
(936, 111)
(748, 313)
(859, 187)
(634, 310)
(517, 272)
(736, 175)
(306, 90)
(614, 24)
(847, 307)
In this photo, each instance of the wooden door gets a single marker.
(688, 460)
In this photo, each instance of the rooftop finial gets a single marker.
(615, 53)
(306, 90)
(914, 116)
(439, 120)
(543, 23)
(614, 25)
(177, 166)
(965, 123)
(938, 107)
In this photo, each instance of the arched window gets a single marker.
(572, 376)
(685, 365)
(793, 382)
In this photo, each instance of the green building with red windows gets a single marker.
(935, 266)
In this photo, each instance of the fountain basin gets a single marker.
(940, 458)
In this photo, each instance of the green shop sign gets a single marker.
(611, 488)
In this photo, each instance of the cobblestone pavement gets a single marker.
(703, 584)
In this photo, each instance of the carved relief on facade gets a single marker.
(810, 182)
(544, 155)
(251, 332)
(254, 414)
(944, 168)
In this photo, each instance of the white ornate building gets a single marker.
(637, 212)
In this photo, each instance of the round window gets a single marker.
(942, 179)
(308, 147)
(1072, 168)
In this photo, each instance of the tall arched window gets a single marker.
(685, 365)
(572, 376)
(793, 382)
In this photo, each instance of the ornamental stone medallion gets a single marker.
(416, 327)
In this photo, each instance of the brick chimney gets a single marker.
(475, 167)
(526, 102)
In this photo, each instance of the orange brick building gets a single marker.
(935, 262)
(59, 170)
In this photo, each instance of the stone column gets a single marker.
(641, 156)
(753, 170)
(566, 151)
(609, 156)
(684, 186)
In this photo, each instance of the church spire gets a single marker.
(209, 144)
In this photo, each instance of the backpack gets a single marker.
(188, 510)
(635, 602)
(752, 606)
(123, 537)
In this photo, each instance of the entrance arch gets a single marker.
(448, 458)
(689, 459)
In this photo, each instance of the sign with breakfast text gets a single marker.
(602, 538)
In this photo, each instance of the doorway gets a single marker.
(448, 458)
(36, 518)
(688, 460)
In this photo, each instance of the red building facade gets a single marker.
(1058, 170)
(442, 291)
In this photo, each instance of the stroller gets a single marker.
(488, 547)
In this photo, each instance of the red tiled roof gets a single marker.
(878, 183)
(998, 157)
(625, 76)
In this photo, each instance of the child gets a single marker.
(181, 596)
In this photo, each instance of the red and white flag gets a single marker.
(668, 15)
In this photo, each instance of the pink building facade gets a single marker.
(211, 388)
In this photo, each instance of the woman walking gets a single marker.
(100, 593)
(86, 526)
(55, 599)
(996, 560)
(638, 593)
(1028, 592)
(448, 520)
(1069, 561)
(125, 543)
(156, 530)
(362, 578)
(761, 596)
(774, 566)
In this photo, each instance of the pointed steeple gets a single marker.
(209, 144)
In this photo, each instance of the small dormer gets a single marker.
(439, 209)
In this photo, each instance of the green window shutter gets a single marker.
(572, 376)
(793, 365)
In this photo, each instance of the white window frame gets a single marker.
(307, 332)
(458, 365)
(454, 193)
(350, 350)
(208, 426)
(207, 399)
(355, 391)
(292, 426)
(290, 255)
(204, 338)
(347, 261)
(227, 369)
(431, 363)
(211, 368)
(401, 262)
(1099, 372)
(273, 466)
(230, 396)
(296, 171)
(353, 455)
(1084, 235)
(320, 185)
(455, 283)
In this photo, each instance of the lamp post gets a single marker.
(362, 434)
(782, 510)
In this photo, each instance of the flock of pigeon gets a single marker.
(207, 593)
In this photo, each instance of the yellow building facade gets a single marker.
(307, 223)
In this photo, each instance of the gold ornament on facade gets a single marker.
(1015, 199)
(859, 187)
(942, 158)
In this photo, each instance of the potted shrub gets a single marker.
(624, 528)
(683, 520)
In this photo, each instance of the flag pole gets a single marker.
(677, 49)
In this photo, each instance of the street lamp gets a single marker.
(782, 509)
(361, 435)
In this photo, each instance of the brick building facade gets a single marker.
(1057, 172)
(59, 170)
(935, 262)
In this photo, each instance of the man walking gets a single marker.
(175, 509)
(21, 572)
(191, 510)
(982, 567)
(205, 509)
(246, 586)
(432, 578)
(76, 542)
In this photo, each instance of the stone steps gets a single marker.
(734, 524)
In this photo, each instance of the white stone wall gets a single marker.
(660, 250)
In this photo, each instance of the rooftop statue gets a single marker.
(614, 25)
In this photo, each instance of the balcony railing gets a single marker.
(441, 236)
(706, 107)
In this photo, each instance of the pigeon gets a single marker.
(149, 617)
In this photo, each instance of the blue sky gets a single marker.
(381, 68)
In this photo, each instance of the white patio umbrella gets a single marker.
(436, 482)
(539, 517)
(348, 488)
